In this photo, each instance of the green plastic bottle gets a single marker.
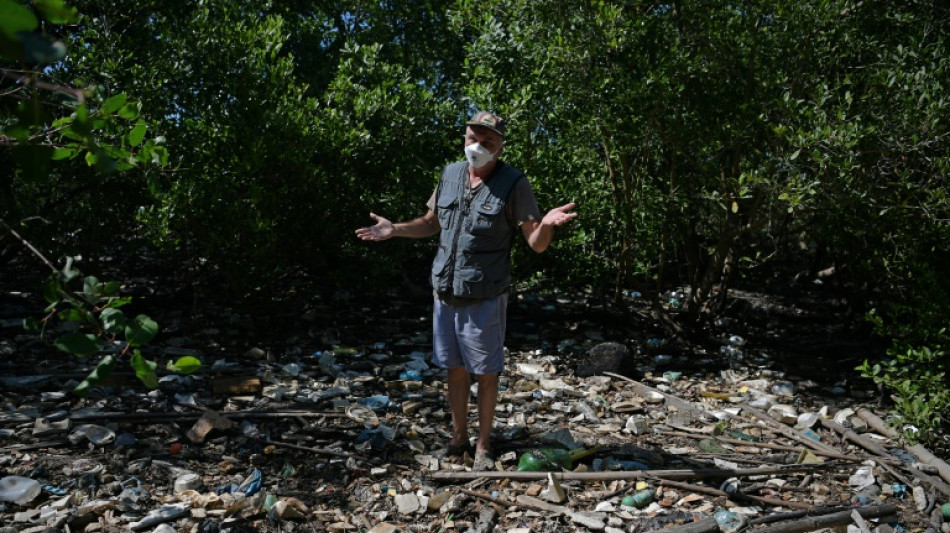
(548, 459)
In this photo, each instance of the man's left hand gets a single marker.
(559, 215)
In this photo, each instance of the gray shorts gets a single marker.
(470, 335)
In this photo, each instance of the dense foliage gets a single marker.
(706, 144)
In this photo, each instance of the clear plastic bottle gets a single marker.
(19, 490)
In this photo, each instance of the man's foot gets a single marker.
(458, 450)
(484, 460)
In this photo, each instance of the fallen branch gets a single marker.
(840, 518)
(149, 417)
(705, 525)
(529, 502)
(321, 451)
(737, 496)
(831, 455)
(35, 446)
(789, 432)
(698, 473)
(779, 517)
(918, 451)
(877, 450)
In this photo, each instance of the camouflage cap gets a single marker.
(488, 120)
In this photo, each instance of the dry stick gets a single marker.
(778, 517)
(918, 451)
(705, 525)
(859, 521)
(876, 449)
(698, 473)
(835, 455)
(35, 446)
(538, 505)
(737, 496)
(25, 242)
(146, 417)
(840, 518)
(671, 399)
(322, 451)
(789, 432)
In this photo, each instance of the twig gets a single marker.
(322, 451)
(29, 246)
(789, 432)
(738, 496)
(813, 523)
(859, 521)
(698, 473)
(918, 451)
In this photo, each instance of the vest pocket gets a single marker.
(486, 218)
(444, 209)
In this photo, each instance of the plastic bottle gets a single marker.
(729, 522)
(544, 459)
(639, 500)
(375, 403)
(19, 490)
(410, 375)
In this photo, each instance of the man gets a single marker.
(477, 206)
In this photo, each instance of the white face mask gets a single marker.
(477, 155)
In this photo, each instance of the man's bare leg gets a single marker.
(487, 398)
(459, 382)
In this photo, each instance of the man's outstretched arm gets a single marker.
(539, 233)
(425, 226)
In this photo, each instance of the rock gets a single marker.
(407, 503)
(604, 357)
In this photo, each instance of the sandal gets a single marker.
(483, 461)
(453, 450)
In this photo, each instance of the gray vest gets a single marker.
(474, 257)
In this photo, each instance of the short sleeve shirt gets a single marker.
(522, 205)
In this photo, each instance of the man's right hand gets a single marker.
(381, 231)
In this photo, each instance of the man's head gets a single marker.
(484, 138)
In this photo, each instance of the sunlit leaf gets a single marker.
(140, 330)
(144, 369)
(114, 103)
(185, 365)
(137, 134)
(56, 11)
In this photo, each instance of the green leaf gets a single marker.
(32, 324)
(71, 315)
(140, 330)
(56, 11)
(144, 369)
(69, 273)
(114, 103)
(16, 18)
(119, 302)
(65, 153)
(102, 371)
(137, 134)
(78, 344)
(110, 289)
(185, 365)
(90, 288)
(130, 111)
(113, 320)
(52, 290)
